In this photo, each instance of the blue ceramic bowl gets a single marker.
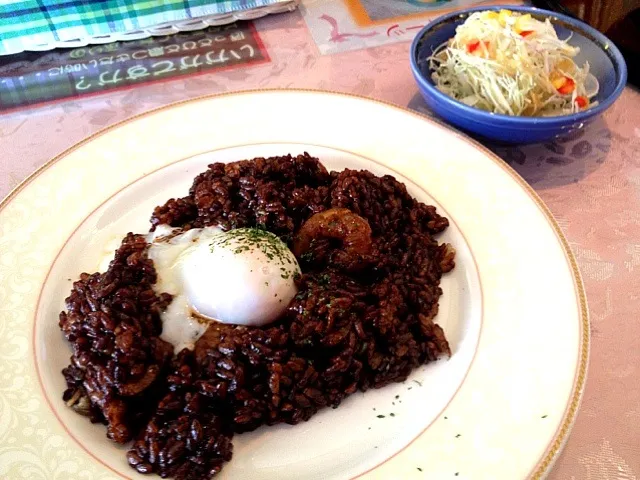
(605, 60)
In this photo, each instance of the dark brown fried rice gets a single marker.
(346, 330)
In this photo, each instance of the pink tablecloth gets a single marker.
(591, 183)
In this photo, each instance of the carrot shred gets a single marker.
(581, 101)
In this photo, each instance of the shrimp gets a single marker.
(339, 224)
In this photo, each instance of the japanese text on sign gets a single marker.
(37, 77)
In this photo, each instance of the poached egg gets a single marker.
(242, 277)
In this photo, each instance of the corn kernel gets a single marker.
(522, 23)
(490, 15)
(503, 16)
(555, 75)
(558, 82)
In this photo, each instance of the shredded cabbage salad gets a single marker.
(512, 64)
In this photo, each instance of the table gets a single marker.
(591, 184)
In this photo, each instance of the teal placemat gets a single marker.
(24, 23)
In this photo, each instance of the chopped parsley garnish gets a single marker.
(251, 239)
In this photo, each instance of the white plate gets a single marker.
(513, 309)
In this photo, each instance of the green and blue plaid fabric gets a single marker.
(33, 22)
